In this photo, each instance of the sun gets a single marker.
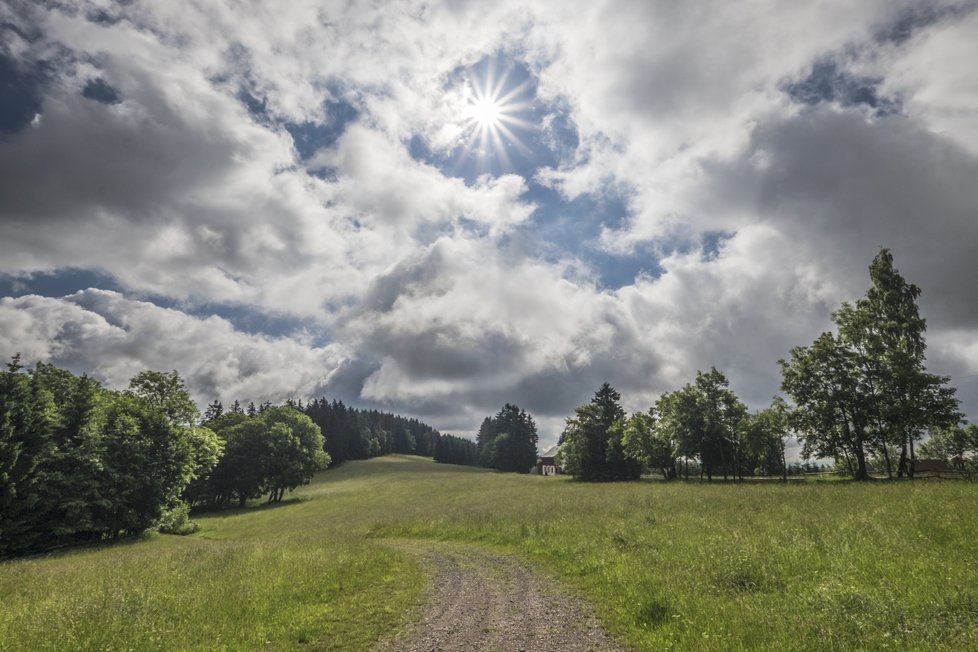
(493, 108)
(485, 112)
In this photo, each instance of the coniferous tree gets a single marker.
(508, 441)
(213, 411)
(484, 439)
(359, 434)
(90, 463)
(450, 449)
(24, 442)
(592, 447)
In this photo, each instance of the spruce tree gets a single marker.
(592, 447)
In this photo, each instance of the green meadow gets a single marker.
(810, 565)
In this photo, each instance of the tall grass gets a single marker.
(686, 565)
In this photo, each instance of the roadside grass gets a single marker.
(810, 565)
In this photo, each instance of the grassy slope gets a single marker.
(830, 565)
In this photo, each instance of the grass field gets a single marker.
(810, 565)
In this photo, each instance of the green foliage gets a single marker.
(865, 390)
(650, 445)
(450, 449)
(23, 437)
(360, 434)
(704, 421)
(762, 439)
(176, 520)
(86, 463)
(958, 446)
(508, 441)
(274, 451)
(593, 447)
(167, 393)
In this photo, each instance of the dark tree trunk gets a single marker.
(723, 462)
(889, 465)
(784, 464)
(861, 472)
(913, 460)
(902, 464)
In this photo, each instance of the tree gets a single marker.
(213, 411)
(147, 462)
(297, 453)
(704, 420)
(483, 439)
(679, 421)
(832, 415)
(449, 449)
(957, 446)
(887, 332)
(644, 442)
(517, 451)
(166, 392)
(359, 434)
(24, 438)
(89, 463)
(763, 439)
(867, 387)
(405, 442)
(271, 453)
(592, 447)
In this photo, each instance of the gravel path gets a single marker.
(482, 600)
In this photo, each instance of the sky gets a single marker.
(435, 208)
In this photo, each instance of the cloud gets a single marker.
(932, 75)
(839, 186)
(113, 338)
(161, 156)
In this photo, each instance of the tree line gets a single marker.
(351, 433)
(80, 463)
(450, 449)
(861, 396)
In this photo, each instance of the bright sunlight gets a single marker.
(492, 112)
(485, 112)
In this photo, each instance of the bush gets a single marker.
(176, 520)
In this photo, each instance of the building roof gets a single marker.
(551, 452)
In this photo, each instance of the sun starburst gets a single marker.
(492, 115)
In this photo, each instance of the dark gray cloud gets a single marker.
(841, 186)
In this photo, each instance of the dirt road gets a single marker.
(481, 600)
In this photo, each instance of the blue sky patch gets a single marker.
(559, 227)
(100, 91)
(246, 319)
(310, 137)
(56, 284)
(20, 95)
(829, 82)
